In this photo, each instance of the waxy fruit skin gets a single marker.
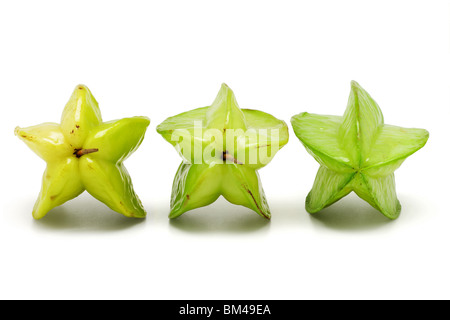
(229, 171)
(85, 153)
(356, 152)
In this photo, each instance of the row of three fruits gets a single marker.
(357, 152)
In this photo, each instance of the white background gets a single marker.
(160, 58)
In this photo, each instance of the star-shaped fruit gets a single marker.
(222, 147)
(356, 152)
(85, 153)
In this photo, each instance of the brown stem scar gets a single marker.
(81, 152)
(227, 156)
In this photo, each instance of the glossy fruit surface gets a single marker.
(356, 152)
(85, 153)
(222, 147)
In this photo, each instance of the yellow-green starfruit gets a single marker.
(85, 153)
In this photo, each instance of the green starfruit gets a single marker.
(222, 147)
(356, 152)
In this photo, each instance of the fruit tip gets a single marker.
(297, 116)
(145, 119)
(81, 90)
(18, 132)
(354, 84)
(426, 136)
(81, 87)
(225, 88)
